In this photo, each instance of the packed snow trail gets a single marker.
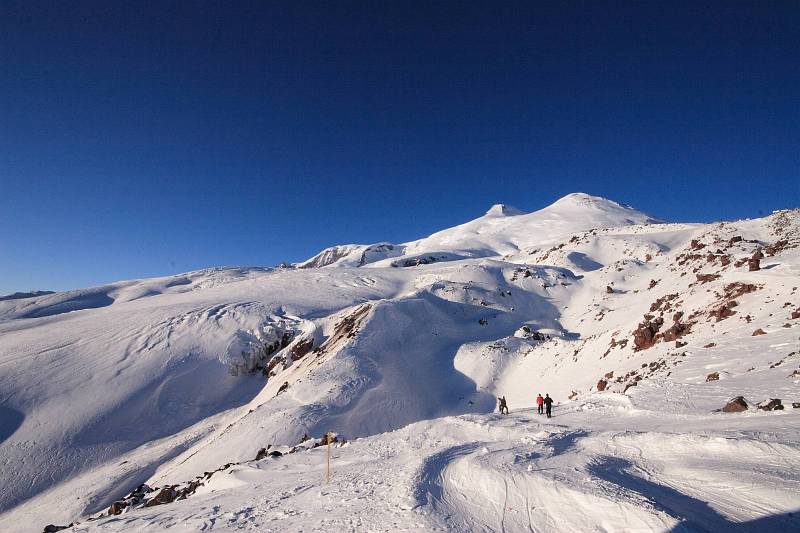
(520, 472)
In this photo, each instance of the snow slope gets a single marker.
(404, 348)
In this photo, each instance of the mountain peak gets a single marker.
(584, 199)
(503, 210)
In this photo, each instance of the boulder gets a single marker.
(645, 335)
(166, 495)
(714, 376)
(758, 332)
(795, 405)
(50, 528)
(609, 289)
(601, 385)
(117, 507)
(754, 263)
(773, 404)
(735, 405)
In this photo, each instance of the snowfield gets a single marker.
(642, 331)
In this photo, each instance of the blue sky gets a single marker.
(161, 137)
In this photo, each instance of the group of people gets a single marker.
(545, 405)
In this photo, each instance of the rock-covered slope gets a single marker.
(599, 305)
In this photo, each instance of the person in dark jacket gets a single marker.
(548, 404)
(503, 405)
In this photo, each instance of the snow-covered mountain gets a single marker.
(502, 230)
(640, 330)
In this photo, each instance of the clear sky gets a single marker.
(149, 138)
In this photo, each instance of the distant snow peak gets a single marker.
(503, 210)
(583, 199)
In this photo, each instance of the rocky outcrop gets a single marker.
(758, 332)
(723, 311)
(644, 336)
(301, 348)
(165, 495)
(736, 289)
(754, 263)
(601, 385)
(705, 278)
(773, 404)
(735, 405)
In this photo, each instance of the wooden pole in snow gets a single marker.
(328, 475)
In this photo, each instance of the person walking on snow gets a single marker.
(540, 403)
(548, 404)
(503, 405)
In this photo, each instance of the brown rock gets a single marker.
(676, 331)
(796, 314)
(609, 289)
(697, 245)
(757, 332)
(736, 405)
(117, 507)
(773, 404)
(301, 349)
(724, 311)
(734, 290)
(710, 345)
(609, 375)
(166, 495)
(705, 278)
(714, 376)
(601, 385)
(754, 263)
(644, 336)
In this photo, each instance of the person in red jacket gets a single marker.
(540, 403)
